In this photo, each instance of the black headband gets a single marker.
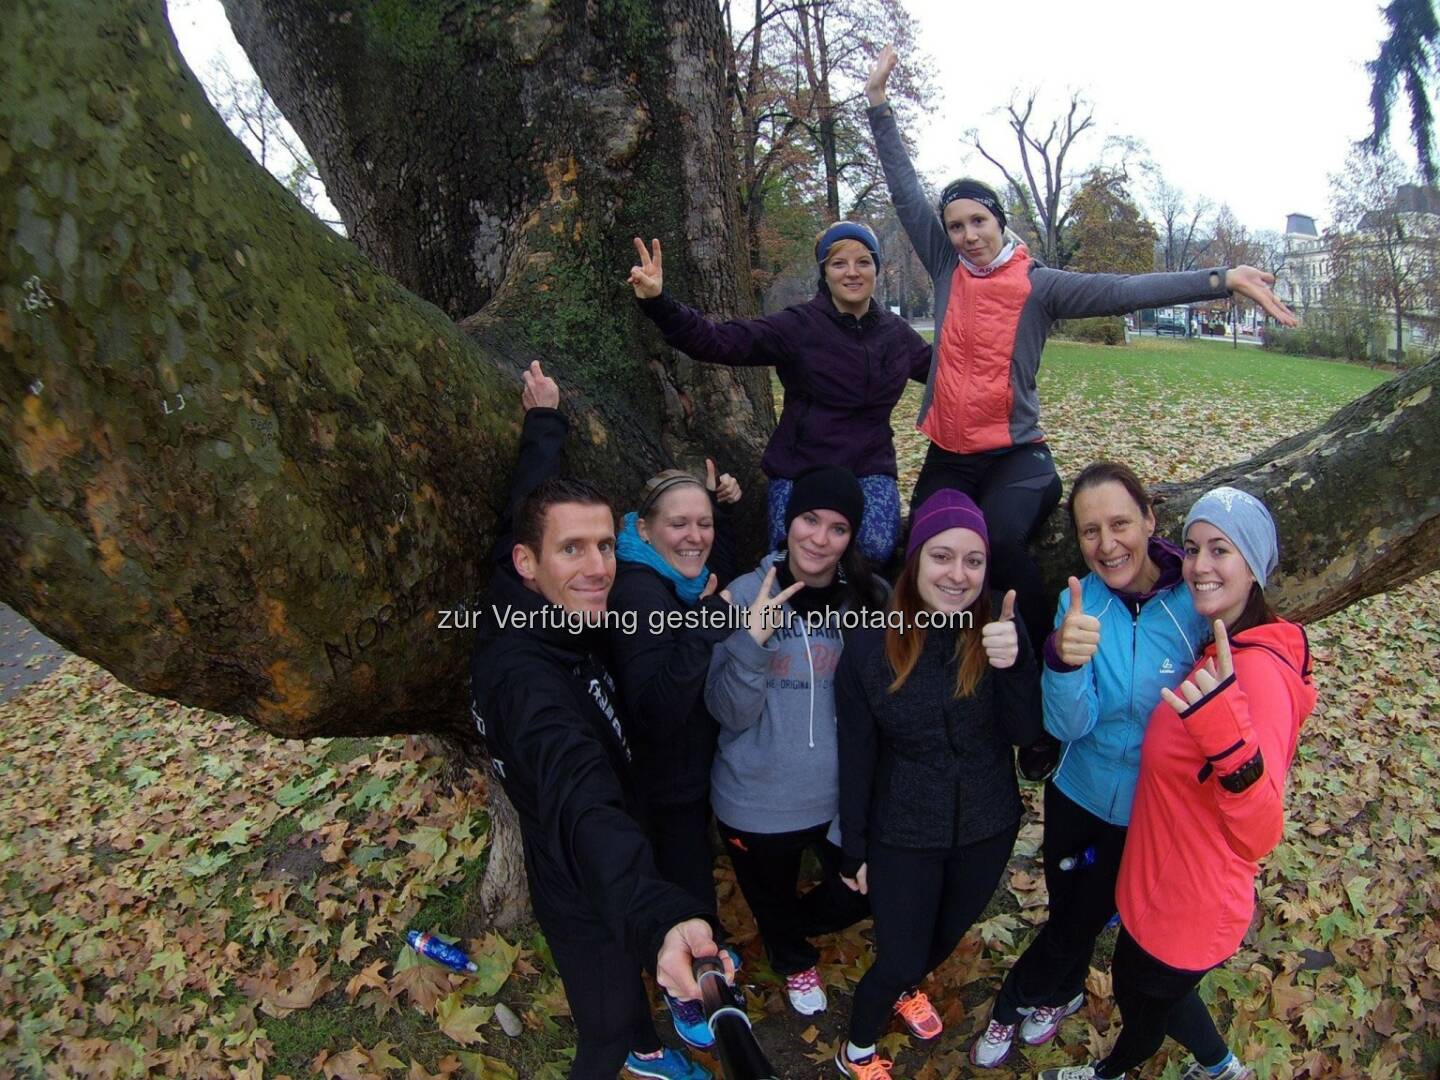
(975, 190)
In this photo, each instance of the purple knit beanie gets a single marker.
(946, 509)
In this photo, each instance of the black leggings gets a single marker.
(924, 901)
(1052, 969)
(1156, 1000)
(767, 869)
(608, 1004)
(1015, 489)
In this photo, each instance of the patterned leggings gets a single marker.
(879, 527)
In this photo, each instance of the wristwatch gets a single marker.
(1244, 776)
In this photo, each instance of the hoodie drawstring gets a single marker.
(805, 637)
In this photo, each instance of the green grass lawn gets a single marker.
(186, 896)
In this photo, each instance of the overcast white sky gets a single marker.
(1252, 105)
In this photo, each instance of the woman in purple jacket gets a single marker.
(843, 360)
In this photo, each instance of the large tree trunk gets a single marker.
(243, 468)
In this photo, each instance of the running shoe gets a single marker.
(993, 1045)
(872, 1068)
(919, 1015)
(690, 1023)
(807, 996)
(1041, 1025)
(670, 1065)
(1234, 1069)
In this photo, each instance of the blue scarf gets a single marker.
(632, 548)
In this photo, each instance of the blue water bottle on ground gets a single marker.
(431, 947)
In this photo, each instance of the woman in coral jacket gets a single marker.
(1210, 802)
(994, 307)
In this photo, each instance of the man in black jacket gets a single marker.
(546, 707)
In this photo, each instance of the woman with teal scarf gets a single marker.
(672, 556)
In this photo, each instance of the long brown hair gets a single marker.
(1257, 611)
(903, 645)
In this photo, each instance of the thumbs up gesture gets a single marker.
(724, 487)
(1079, 633)
(1002, 643)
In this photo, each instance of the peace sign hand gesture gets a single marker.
(1255, 285)
(1002, 643)
(763, 619)
(647, 279)
(1207, 678)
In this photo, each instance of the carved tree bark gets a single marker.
(244, 465)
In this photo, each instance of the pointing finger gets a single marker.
(640, 250)
(1225, 662)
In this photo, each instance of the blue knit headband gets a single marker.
(1246, 521)
(847, 230)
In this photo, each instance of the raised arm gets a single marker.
(1076, 296)
(922, 223)
(737, 343)
(542, 438)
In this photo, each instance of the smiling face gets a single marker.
(816, 540)
(1114, 535)
(850, 276)
(1218, 576)
(974, 231)
(575, 564)
(952, 570)
(681, 528)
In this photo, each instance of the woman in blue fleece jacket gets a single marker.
(1122, 634)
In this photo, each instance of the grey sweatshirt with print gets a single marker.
(777, 761)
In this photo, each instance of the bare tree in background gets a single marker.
(1182, 243)
(795, 76)
(1385, 245)
(255, 119)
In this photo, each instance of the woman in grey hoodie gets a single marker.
(775, 782)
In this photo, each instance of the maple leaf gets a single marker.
(351, 945)
(382, 1056)
(423, 984)
(487, 1068)
(494, 960)
(369, 978)
(461, 1022)
(353, 1064)
(299, 987)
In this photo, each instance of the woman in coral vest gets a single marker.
(993, 310)
(1210, 802)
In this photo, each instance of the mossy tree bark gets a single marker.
(245, 464)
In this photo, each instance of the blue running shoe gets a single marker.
(670, 1065)
(690, 1023)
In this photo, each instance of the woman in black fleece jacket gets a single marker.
(929, 805)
